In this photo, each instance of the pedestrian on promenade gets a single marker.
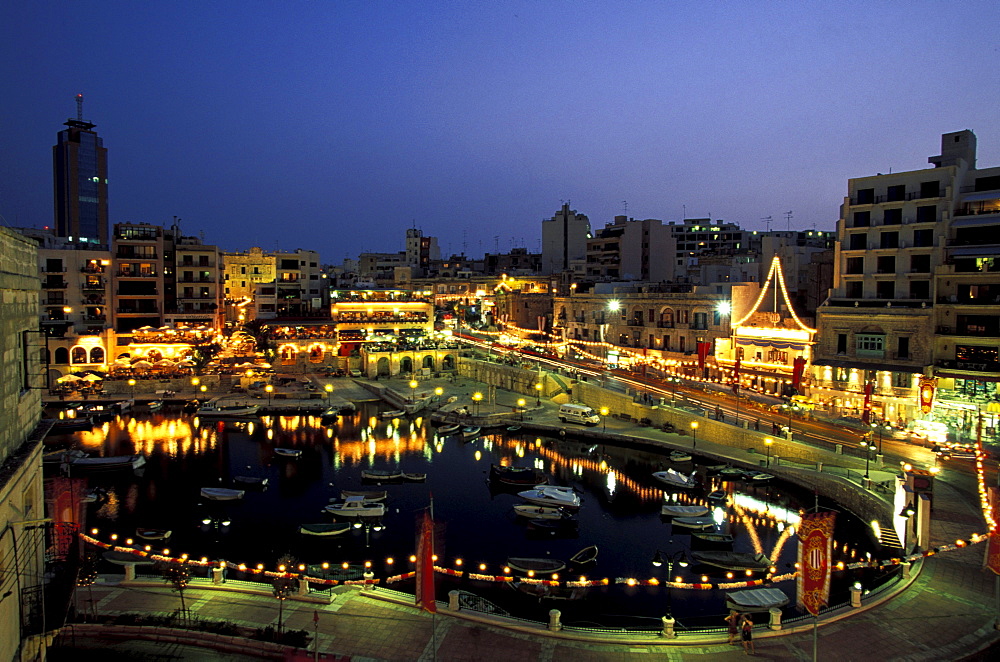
(733, 621)
(746, 634)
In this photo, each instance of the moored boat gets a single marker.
(155, 405)
(325, 529)
(524, 564)
(717, 495)
(107, 463)
(367, 495)
(680, 456)
(675, 479)
(516, 475)
(538, 512)
(694, 522)
(448, 430)
(546, 496)
(216, 409)
(756, 599)
(153, 534)
(712, 538)
(392, 413)
(254, 481)
(221, 493)
(584, 556)
(288, 452)
(732, 560)
(414, 477)
(356, 507)
(381, 476)
(671, 510)
(471, 432)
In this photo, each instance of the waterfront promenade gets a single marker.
(946, 613)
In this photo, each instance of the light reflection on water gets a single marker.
(620, 512)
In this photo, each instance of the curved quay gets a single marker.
(940, 610)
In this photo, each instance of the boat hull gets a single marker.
(522, 564)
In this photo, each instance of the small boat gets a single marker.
(153, 534)
(250, 481)
(756, 599)
(125, 558)
(712, 538)
(675, 479)
(584, 556)
(367, 495)
(414, 477)
(356, 507)
(330, 413)
(680, 456)
(448, 430)
(717, 495)
(539, 512)
(551, 497)
(516, 475)
(381, 476)
(109, 463)
(191, 406)
(334, 529)
(211, 410)
(513, 428)
(469, 433)
(547, 592)
(155, 405)
(72, 424)
(97, 413)
(714, 469)
(671, 510)
(732, 560)
(221, 493)
(556, 488)
(732, 473)
(288, 452)
(694, 522)
(523, 564)
(123, 406)
(759, 476)
(392, 413)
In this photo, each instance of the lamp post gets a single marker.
(477, 397)
(538, 394)
(368, 526)
(878, 426)
(868, 447)
(413, 390)
(604, 418)
(270, 389)
(520, 405)
(680, 558)
(194, 383)
(694, 434)
(329, 389)
(131, 384)
(767, 443)
(789, 405)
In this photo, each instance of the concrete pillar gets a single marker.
(777, 460)
(303, 586)
(369, 575)
(879, 461)
(839, 449)
(907, 566)
(554, 616)
(819, 467)
(668, 628)
(217, 574)
(775, 623)
(453, 601)
(129, 572)
(855, 596)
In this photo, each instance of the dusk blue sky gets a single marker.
(337, 125)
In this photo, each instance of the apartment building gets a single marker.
(627, 249)
(564, 241)
(198, 286)
(915, 293)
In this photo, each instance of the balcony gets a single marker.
(92, 270)
(954, 300)
(91, 286)
(92, 301)
(664, 324)
(137, 311)
(94, 318)
(137, 274)
(951, 364)
(977, 332)
(54, 285)
(148, 293)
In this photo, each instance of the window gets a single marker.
(858, 241)
(79, 354)
(889, 240)
(920, 264)
(927, 214)
(930, 189)
(866, 196)
(886, 264)
(920, 289)
(680, 344)
(892, 217)
(903, 347)
(988, 183)
(923, 238)
(855, 289)
(885, 289)
(869, 344)
(862, 219)
(855, 265)
(895, 193)
(700, 320)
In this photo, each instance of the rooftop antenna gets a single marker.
(496, 243)
(767, 223)
(788, 220)
(625, 206)
(79, 107)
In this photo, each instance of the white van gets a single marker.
(578, 414)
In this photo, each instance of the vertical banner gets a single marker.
(425, 565)
(703, 349)
(993, 544)
(736, 377)
(866, 415)
(815, 546)
(927, 394)
(798, 369)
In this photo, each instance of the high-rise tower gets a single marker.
(80, 173)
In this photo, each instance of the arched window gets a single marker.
(79, 355)
(62, 356)
(97, 355)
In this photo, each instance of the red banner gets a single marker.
(736, 377)
(798, 369)
(993, 545)
(815, 546)
(425, 565)
(703, 349)
(866, 415)
(927, 385)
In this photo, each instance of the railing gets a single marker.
(92, 286)
(662, 324)
(139, 274)
(133, 311)
(92, 270)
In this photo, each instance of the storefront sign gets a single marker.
(927, 394)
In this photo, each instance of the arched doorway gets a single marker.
(382, 367)
(428, 362)
(405, 365)
(62, 356)
(448, 362)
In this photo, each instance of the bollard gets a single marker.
(453, 601)
(819, 467)
(129, 572)
(668, 628)
(838, 449)
(303, 586)
(775, 623)
(906, 569)
(879, 461)
(369, 575)
(855, 596)
(216, 574)
(777, 460)
(554, 616)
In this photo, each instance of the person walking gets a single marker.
(746, 634)
(733, 621)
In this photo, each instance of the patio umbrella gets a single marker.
(91, 378)
(185, 362)
(142, 365)
(68, 378)
(164, 362)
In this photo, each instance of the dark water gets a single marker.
(620, 512)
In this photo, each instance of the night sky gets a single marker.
(336, 125)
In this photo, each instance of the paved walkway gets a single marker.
(948, 613)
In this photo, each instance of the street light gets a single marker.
(878, 426)
(680, 558)
(270, 389)
(604, 417)
(194, 382)
(694, 434)
(868, 448)
(413, 389)
(329, 389)
(520, 405)
(476, 397)
(131, 384)
(767, 442)
(538, 394)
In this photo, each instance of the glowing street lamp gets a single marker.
(329, 390)
(270, 389)
(194, 383)
(131, 384)
(767, 442)
(538, 394)
(867, 447)
(694, 434)
(438, 391)
(520, 405)
(604, 417)
(413, 389)
(476, 397)
(680, 558)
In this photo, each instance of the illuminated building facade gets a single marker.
(915, 293)
(198, 288)
(243, 272)
(80, 175)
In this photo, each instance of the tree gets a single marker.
(87, 576)
(178, 575)
(283, 588)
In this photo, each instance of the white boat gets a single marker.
(471, 432)
(538, 512)
(448, 430)
(732, 560)
(335, 529)
(356, 506)
(414, 477)
(523, 564)
(680, 456)
(694, 522)
(381, 476)
(756, 599)
(675, 479)
(153, 534)
(155, 405)
(556, 488)
(221, 493)
(288, 452)
(108, 463)
(670, 510)
(546, 496)
(367, 495)
(220, 410)
(255, 481)
(392, 413)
